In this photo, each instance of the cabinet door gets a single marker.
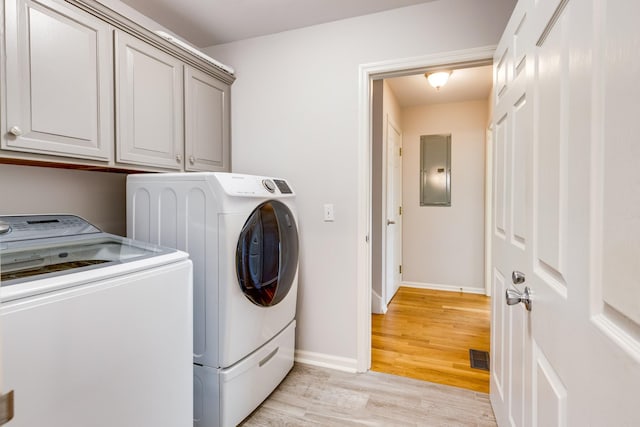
(207, 122)
(149, 105)
(58, 81)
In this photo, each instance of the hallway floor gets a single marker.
(426, 334)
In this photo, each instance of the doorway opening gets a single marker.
(379, 293)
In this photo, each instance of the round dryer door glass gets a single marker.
(267, 254)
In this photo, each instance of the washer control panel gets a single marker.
(27, 227)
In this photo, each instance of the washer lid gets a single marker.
(52, 258)
(44, 246)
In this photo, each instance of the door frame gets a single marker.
(367, 73)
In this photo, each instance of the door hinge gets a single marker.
(400, 151)
(400, 268)
(6, 407)
(400, 210)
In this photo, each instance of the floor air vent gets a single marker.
(479, 359)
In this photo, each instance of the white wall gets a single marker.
(445, 245)
(295, 114)
(99, 197)
(391, 107)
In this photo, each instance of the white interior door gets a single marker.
(393, 211)
(566, 121)
(511, 234)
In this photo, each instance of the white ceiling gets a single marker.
(206, 23)
(467, 84)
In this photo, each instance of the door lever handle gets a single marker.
(514, 297)
(389, 222)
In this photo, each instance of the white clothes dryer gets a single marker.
(242, 236)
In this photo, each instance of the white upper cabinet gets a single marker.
(206, 122)
(149, 105)
(82, 85)
(58, 92)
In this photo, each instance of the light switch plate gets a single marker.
(328, 213)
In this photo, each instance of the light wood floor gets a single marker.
(427, 334)
(312, 396)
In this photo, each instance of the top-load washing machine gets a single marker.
(241, 234)
(96, 328)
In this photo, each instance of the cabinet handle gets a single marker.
(178, 158)
(15, 131)
(192, 159)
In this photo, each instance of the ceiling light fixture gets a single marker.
(438, 79)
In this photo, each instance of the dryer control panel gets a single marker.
(27, 227)
(283, 186)
(249, 185)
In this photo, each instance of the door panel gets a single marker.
(551, 394)
(615, 283)
(621, 204)
(519, 373)
(500, 165)
(498, 340)
(569, 141)
(149, 104)
(521, 123)
(550, 169)
(551, 199)
(393, 216)
(58, 81)
(206, 103)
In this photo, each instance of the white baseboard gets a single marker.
(377, 304)
(326, 361)
(441, 287)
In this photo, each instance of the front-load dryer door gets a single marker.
(267, 254)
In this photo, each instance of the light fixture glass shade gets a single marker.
(438, 79)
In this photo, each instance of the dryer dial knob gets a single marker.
(269, 185)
